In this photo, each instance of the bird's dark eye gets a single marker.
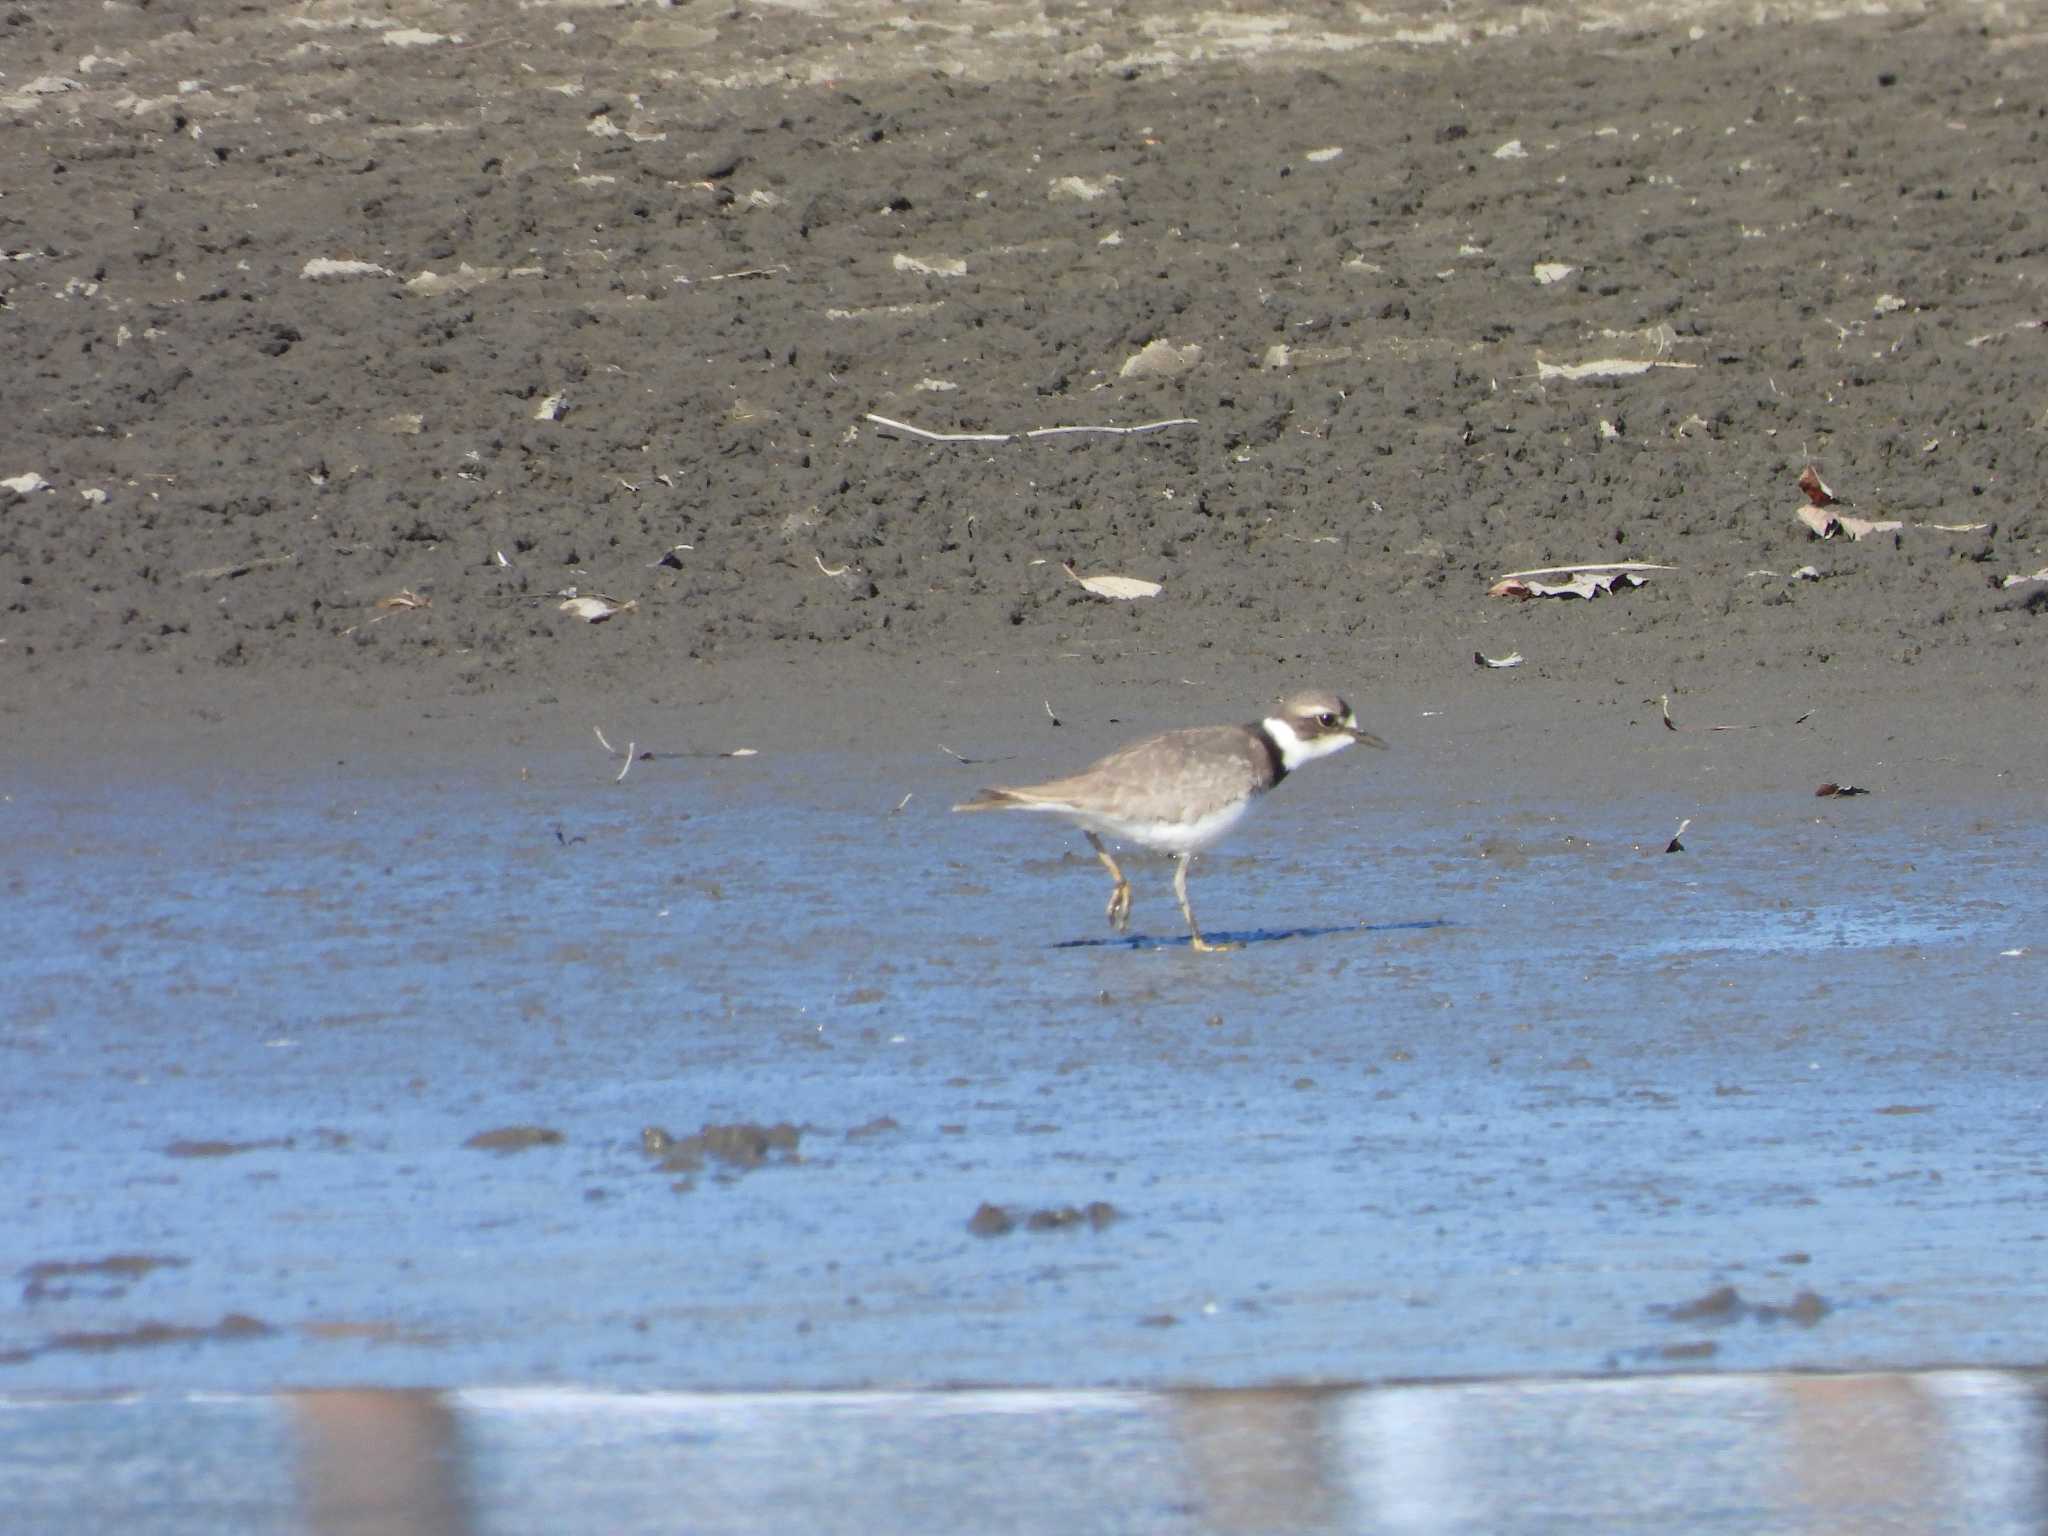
(1326, 719)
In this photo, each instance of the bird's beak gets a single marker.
(1366, 738)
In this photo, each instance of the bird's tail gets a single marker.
(992, 800)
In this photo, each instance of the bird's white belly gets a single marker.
(1169, 836)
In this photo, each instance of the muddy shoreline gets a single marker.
(285, 508)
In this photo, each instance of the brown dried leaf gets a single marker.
(1816, 488)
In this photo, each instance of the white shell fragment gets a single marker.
(1281, 356)
(1080, 188)
(1548, 272)
(1605, 368)
(931, 266)
(26, 484)
(1160, 359)
(329, 266)
(1121, 588)
(1512, 659)
(430, 284)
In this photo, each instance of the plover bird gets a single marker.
(1180, 791)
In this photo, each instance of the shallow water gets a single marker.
(1491, 1091)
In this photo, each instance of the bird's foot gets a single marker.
(1204, 946)
(1119, 909)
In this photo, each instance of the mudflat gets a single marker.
(346, 347)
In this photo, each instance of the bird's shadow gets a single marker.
(1248, 937)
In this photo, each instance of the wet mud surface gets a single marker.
(611, 296)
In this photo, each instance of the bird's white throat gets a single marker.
(1296, 749)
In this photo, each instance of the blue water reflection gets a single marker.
(1942, 1451)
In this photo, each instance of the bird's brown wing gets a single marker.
(1150, 780)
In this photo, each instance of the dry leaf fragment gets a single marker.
(405, 597)
(1590, 565)
(1825, 525)
(2016, 581)
(1839, 791)
(1820, 524)
(595, 609)
(1590, 584)
(1122, 588)
(1816, 488)
(1512, 659)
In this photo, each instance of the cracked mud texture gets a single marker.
(707, 236)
